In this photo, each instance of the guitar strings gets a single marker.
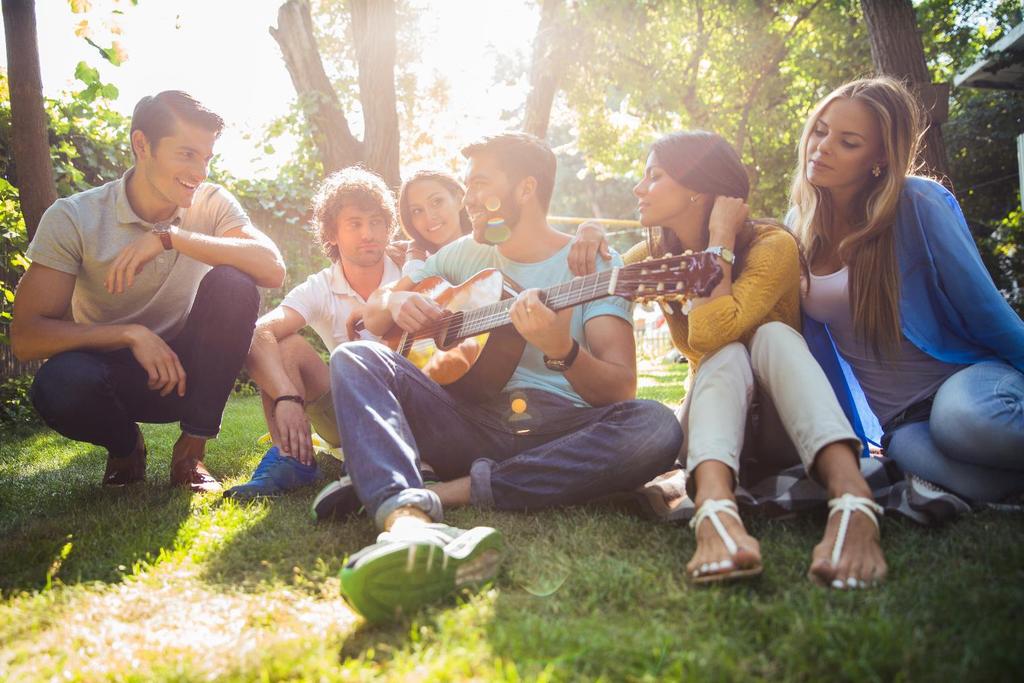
(470, 323)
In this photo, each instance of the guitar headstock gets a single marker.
(670, 278)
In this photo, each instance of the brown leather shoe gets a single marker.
(129, 469)
(191, 472)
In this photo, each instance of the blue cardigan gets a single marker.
(949, 306)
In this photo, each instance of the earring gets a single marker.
(693, 198)
(876, 170)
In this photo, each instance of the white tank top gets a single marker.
(890, 386)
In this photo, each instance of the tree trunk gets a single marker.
(337, 146)
(545, 69)
(373, 29)
(30, 143)
(897, 51)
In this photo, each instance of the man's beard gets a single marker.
(495, 227)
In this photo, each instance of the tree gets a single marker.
(749, 70)
(897, 51)
(29, 141)
(547, 67)
(373, 31)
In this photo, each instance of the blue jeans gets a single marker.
(973, 442)
(98, 396)
(554, 453)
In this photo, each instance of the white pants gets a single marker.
(714, 415)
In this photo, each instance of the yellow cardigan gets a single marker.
(767, 288)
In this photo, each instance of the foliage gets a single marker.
(981, 133)
(748, 70)
(16, 411)
(13, 242)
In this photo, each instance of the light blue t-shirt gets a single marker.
(465, 257)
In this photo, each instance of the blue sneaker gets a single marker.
(274, 475)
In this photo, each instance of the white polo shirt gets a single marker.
(82, 235)
(326, 299)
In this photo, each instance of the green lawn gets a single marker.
(154, 584)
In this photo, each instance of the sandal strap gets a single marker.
(847, 504)
(709, 509)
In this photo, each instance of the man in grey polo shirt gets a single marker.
(142, 294)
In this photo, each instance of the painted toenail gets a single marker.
(703, 567)
(725, 564)
(851, 582)
(862, 584)
(713, 567)
(838, 584)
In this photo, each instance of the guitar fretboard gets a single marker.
(465, 324)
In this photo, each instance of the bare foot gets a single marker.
(712, 557)
(861, 564)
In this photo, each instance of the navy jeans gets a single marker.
(553, 453)
(973, 441)
(98, 397)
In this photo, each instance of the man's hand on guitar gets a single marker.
(540, 326)
(412, 311)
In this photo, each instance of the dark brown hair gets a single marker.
(521, 155)
(703, 161)
(450, 183)
(157, 115)
(352, 186)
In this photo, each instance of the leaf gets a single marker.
(86, 73)
(109, 91)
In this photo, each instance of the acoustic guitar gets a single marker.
(473, 349)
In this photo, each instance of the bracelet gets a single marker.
(290, 397)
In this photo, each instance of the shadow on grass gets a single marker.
(90, 534)
(276, 541)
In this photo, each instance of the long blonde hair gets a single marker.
(869, 249)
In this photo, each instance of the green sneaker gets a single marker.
(403, 571)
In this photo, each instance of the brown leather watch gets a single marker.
(162, 229)
(563, 364)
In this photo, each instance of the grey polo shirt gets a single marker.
(82, 235)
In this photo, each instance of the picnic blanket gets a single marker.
(792, 491)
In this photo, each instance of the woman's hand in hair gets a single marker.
(590, 240)
(727, 218)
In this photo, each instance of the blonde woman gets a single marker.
(898, 282)
(747, 357)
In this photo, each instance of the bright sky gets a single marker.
(222, 53)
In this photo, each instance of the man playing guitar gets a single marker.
(565, 428)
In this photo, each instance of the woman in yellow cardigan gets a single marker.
(744, 348)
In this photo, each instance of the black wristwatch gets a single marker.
(563, 364)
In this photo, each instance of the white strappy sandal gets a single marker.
(709, 510)
(847, 504)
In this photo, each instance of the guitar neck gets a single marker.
(579, 290)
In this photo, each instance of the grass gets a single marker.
(154, 584)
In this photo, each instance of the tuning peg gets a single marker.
(661, 286)
(688, 252)
(649, 258)
(669, 255)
